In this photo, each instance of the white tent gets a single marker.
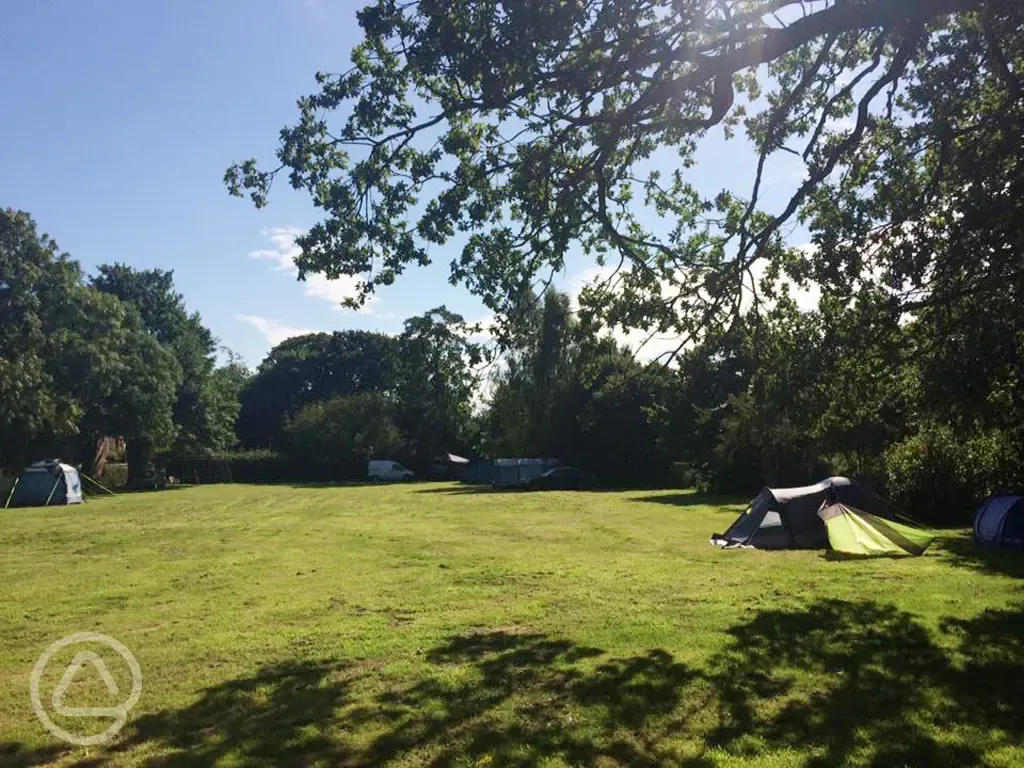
(47, 483)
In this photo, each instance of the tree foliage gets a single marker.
(436, 384)
(345, 431)
(193, 346)
(515, 132)
(310, 368)
(524, 128)
(36, 282)
(75, 363)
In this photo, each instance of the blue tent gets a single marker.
(480, 472)
(515, 473)
(1000, 522)
(47, 483)
(507, 473)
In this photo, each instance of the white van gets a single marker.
(383, 469)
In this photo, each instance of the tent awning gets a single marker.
(450, 458)
(855, 532)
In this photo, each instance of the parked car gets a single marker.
(388, 470)
(560, 479)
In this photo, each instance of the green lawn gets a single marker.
(426, 625)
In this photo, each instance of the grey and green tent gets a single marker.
(855, 532)
(47, 483)
(822, 515)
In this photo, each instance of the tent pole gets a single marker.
(11, 494)
(98, 484)
(55, 484)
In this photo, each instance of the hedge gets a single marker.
(266, 466)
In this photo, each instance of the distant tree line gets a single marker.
(514, 136)
(339, 399)
(117, 354)
(783, 397)
(927, 407)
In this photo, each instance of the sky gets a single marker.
(121, 116)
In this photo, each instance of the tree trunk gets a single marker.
(139, 455)
(91, 455)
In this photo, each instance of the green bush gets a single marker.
(114, 475)
(262, 465)
(941, 478)
(866, 468)
(265, 466)
(346, 429)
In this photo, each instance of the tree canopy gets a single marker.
(117, 356)
(76, 364)
(311, 368)
(522, 129)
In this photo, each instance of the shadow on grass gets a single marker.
(346, 484)
(964, 552)
(848, 557)
(15, 755)
(836, 683)
(273, 718)
(462, 490)
(458, 490)
(126, 490)
(693, 499)
(885, 692)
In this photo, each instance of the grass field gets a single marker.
(427, 625)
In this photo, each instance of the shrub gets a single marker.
(114, 475)
(270, 467)
(347, 429)
(267, 466)
(941, 478)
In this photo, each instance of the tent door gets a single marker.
(56, 484)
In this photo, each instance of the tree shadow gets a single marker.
(965, 552)
(13, 754)
(528, 699)
(694, 499)
(459, 490)
(851, 683)
(884, 692)
(991, 669)
(277, 717)
(346, 483)
(463, 490)
(136, 490)
(503, 697)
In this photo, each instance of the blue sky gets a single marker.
(121, 116)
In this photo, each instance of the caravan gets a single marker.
(385, 469)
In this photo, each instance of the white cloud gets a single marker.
(805, 298)
(273, 331)
(283, 256)
(789, 177)
(644, 344)
(841, 124)
(648, 346)
(486, 332)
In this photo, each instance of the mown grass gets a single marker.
(426, 625)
